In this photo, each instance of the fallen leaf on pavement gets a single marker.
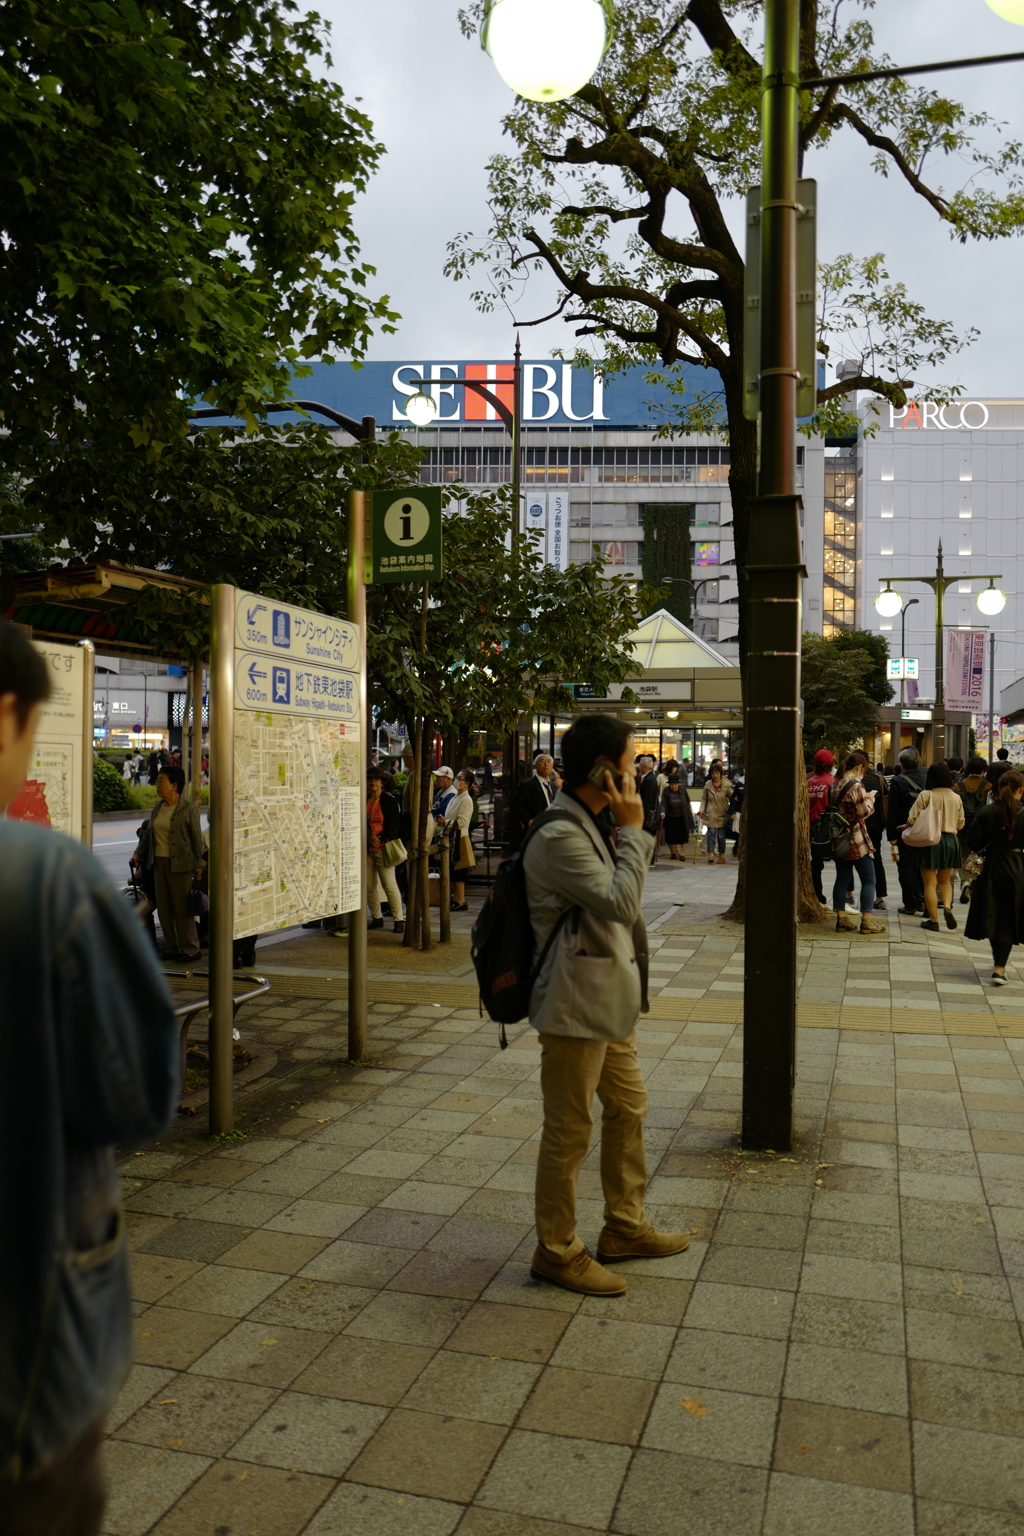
(802, 1450)
(165, 1400)
(958, 1289)
(694, 1406)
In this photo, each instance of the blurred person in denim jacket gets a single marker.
(90, 1062)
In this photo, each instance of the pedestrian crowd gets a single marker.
(944, 822)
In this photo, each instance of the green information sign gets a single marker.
(407, 535)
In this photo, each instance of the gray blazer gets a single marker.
(594, 981)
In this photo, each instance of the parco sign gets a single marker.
(926, 414)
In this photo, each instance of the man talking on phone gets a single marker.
(584, 1006)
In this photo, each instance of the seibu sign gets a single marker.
(550, 391)
(951, 417)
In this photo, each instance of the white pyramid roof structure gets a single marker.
(664, 643)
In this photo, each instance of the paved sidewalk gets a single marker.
(338, 1333)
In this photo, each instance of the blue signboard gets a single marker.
(554, 393)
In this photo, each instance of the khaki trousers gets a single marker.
(377, 879)
(571, 1072)
(178, 924)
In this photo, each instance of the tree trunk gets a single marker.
(808, 907)
(412, 894)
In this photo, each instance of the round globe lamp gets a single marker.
(990, 600)
(1009, 10)
(421, 409)
(888, 603)
(546, 49)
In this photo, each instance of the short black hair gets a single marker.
(1003, 754)
(173, 775)
(23, 671)
(956, 764)
(976, 765)
(938, 777)
(588, 738)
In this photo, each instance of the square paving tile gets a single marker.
(767, 1268)
(279, 1253)
(315, 1304)
(613, 1347)
(172, 1338)
(354, 1510)
(863, 1279)
(219, 1172)
(281, 1178)
(365, 1370)
(848, 1324)
(588, 1406)
(195, 1413)
(969, 1466)
(436, 1199)
(230, 1498)
(730, 1361)
(514, 1333)
(702, 1421)
(266, 1355)
(553, 1477)
(229, 1292)
(473, 1387)
(847, 1378)
(394, 1228)
(153, 1275)
(144, 1484)
(675, 1495)
(938, 1518)
(358, 1263)
(142, 1384)
(437, 1274)
(991, 1401)
(241, 1208)
(202, 1241)
(496, 1522)
(844, 1445)
(310, 1434)
(439, 1457)
(805, 1506)
(740, 1309)
(407, 1318)
(980, 1342)
(648, 1300)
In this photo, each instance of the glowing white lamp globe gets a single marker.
(990, 600)
(421, 409)
(888, 603)
(546, 49)
(1009, 10)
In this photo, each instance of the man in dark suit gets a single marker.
(650, 798)
(537, 793)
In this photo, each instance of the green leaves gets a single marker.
(839, 686)
(176, 191)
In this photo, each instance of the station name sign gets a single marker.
(951, 417)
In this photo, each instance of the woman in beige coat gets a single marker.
(937, 861)
(714, 811)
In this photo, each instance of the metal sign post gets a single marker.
(356, 594)
(221, 879)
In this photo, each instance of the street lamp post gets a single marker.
(898, 733)
(220, 955)
(891, 603)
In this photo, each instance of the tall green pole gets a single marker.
(773, 571)
(939, 709)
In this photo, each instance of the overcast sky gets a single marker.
(437, 103)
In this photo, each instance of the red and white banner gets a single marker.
(965, 669)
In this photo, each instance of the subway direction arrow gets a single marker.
(253, 674)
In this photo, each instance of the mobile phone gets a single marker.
(597, 773)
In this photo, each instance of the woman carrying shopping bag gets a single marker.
(384, 849)
(928, 842)
(460, 810)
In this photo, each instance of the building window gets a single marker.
(579, 515)
(840, 598)
(706, 554)
(706, 629)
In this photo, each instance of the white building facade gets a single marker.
(932, 474)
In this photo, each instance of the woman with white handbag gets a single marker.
(384, 849)
(928, 842)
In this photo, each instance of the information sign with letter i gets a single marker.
(407, 534)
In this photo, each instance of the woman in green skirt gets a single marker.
(937, 861)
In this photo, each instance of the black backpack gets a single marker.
(503, 943)
(973, 801)
(836, 828)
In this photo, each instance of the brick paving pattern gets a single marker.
(338, 1332)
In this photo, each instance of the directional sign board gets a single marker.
(407, 534)
(289, 688)
(294, 634)
(898, 667)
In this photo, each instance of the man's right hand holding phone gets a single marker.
(625, 804)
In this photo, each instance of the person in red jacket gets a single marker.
(819, 787)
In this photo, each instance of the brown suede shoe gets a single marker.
(582, 1275)
(613, 1249)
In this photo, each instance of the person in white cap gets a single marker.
(444, 791)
